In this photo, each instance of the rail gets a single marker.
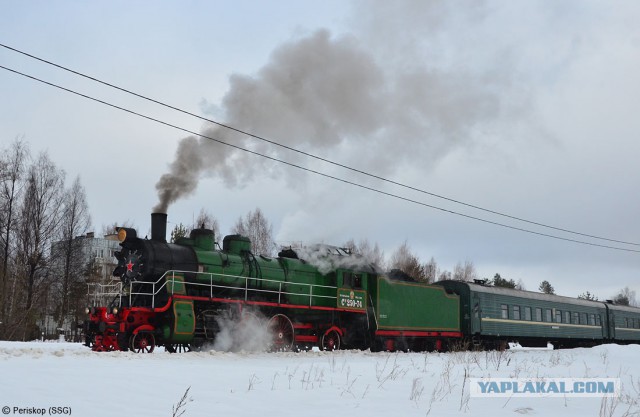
(248, 285)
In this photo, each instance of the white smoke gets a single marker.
(247, 333)
(329, 258)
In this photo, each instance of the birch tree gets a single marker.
(257, 228)
(12, 172)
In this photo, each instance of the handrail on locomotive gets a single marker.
(102, 291)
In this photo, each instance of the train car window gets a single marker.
(567, 317)
(516, 312)
(598, 320)
(558, 316)
(538, 314)
(527, 313)
(583, 318)
(575, 318)
(505, 311)
(637, 324)
(592, 319)
(547, 315)
(626, 322)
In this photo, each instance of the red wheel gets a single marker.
(143, 342)
(331, 340)
(280, 329)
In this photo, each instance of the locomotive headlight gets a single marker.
(125, 233)
(87, 310)
(115, 310)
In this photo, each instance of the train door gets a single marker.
(612, 324)
(608, 323)
(601, 320)
(476, 315)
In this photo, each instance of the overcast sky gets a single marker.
(526, 108)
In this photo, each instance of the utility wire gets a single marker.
(420, 203)
(359, 171)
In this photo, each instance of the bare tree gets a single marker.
(466, 272)
(12, 171)
(625, 296)
(68, 252)
(372, 254)
(257, 228)
(41, 214)
(112, 228)
(404, 260)
(206, 220)
(431, 270)
(444, 275)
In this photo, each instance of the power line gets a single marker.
(315, 171)
(359, 171)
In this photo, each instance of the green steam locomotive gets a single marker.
(184, 295)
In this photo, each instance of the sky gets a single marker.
(522, 108)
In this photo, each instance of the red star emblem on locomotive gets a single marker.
(130, 266)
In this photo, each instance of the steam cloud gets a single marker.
(246, 334)
(323, 94)
(324, 258)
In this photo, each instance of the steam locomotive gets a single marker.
(177, 295)
(181, 296)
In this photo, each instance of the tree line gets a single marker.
(37, 208)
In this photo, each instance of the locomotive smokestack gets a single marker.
(159, 227)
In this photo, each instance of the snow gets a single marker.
(344, 383)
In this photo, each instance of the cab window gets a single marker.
(351, 280)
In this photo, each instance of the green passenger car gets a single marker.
(624, 323)
(499, 315)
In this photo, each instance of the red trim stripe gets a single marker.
(402, 333)
(264, 303)
(306, 339)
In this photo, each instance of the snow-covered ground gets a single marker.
(346, 383)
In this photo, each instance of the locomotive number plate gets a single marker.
(352, 299)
